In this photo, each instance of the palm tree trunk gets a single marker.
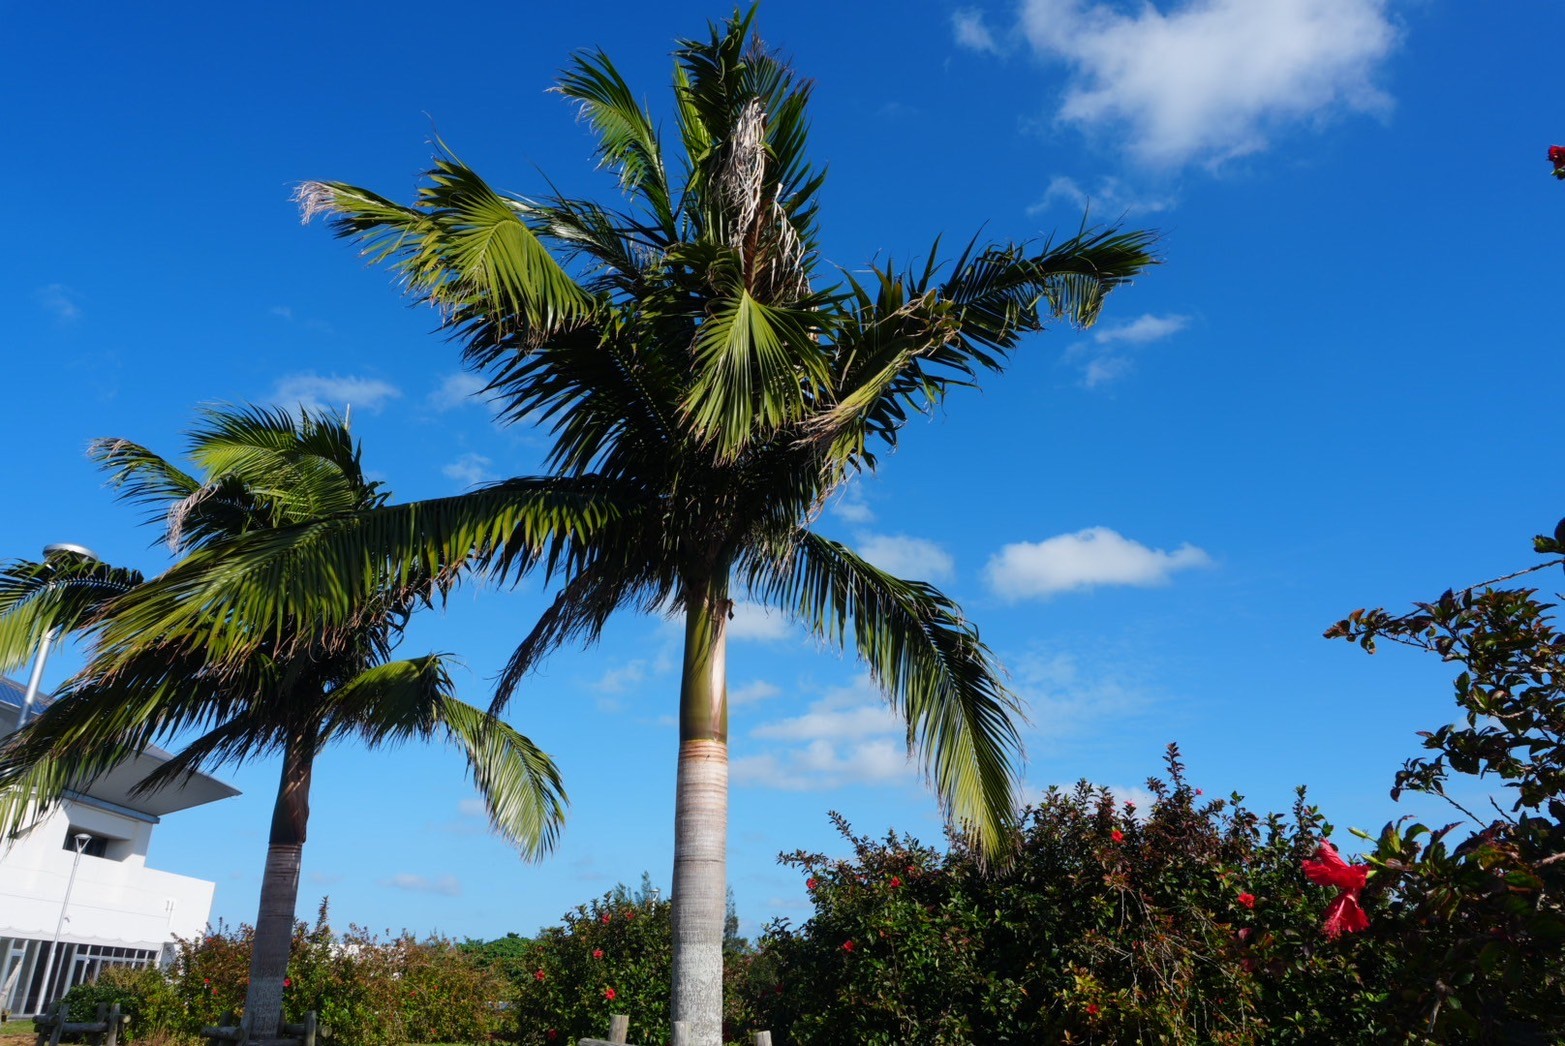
(701, 816)
(279, 892)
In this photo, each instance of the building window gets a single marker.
(97, 845)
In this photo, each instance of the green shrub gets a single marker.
(1190, 922)
(143, 993)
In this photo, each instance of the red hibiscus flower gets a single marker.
(539, 975)
(895, 881)
(608, 993)
(1557, 155)
(811, 883)
(607, 918)
(1247, 899)
(1117, 835)
(552, 1034)
(1329, 869)
(287, 982)
(847, 946)
(1092, 1009)
(597, 953)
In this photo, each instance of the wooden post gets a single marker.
(681, 1033)
(59, 1024)
(309, 1029)
(619, 1028)
(111, 1036)
(760, 1038)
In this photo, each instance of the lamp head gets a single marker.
(66, 546)
(82, 839)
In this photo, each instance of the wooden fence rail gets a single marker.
(619, 1033)
(104, 1031)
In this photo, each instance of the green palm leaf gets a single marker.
(929, 660)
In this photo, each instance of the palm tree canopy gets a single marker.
(300, 685)
(708, 381)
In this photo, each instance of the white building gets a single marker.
(120, 911)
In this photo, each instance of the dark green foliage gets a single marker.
(1087, 936)
(1484, 928)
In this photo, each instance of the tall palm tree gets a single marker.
(707, 388)
(300, 688)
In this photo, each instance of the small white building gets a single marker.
(120, 911)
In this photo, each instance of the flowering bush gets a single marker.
(365, 992)
(1194, 923)
(1482, 921)
(615, 955)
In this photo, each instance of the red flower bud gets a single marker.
(597, 953)
(1247, 899)
(847, 946)
(1117, 835)
(608, 993)
(540, 975)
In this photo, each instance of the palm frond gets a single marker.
(519, 783)
(462, 244)
(627, 141)
(64, 591)
(230, 599)
(935, 671)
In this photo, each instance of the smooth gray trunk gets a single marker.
(274, 919)
(701, 821)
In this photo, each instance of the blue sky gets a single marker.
(1341, 389)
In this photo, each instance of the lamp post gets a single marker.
(50, 636)
(81, 839)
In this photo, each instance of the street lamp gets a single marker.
(81, 839)
(50, 636)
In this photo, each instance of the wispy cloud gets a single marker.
(849, 736)
(1110, 198)
(445, 885)
(753, 692)
(1144, 328)
(968, 25)
(1071, 694)
(332, 392)
(851, 506)
(1086, 559)
(60, 300)
(621, 678)
(456, 390)
(759, 623)
(1108, 356)
(471, 808)
(469, 470)
(1209, 80)
(282, 312)
(903, 556)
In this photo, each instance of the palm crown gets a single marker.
(708, 383)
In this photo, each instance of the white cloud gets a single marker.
(971, 32)
(821, 765)
(622, 678)
(1065, 700)
(1108, 200)
(908, 557)
(1085, 559)
(754, 621)
(471, 808)
(1210, 79)
(445, 885)
(1106, 358)
(851, 506)
(848, 736)
(60, 300)
(456, 390)
(322, 392)
(282, 312)
(1141, 330)
(468, 470)
(753, 692)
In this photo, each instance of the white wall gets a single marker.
(116, 900)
